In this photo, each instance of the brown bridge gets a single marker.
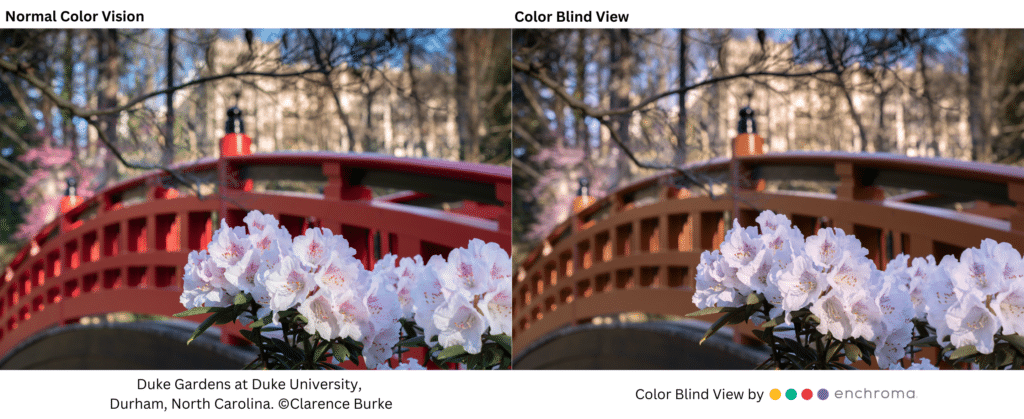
(636, 250)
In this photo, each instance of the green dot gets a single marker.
(791, 394)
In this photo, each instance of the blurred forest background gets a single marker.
(615, 105)
(103, 105)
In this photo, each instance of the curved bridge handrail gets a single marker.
(965, 180)
(495, 179)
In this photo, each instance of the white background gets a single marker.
(535, 393)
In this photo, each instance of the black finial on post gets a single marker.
(584, 189)
(72, 189)
(747, 124)
(234, 124)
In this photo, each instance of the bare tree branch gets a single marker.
(25, 74)
(537, 74)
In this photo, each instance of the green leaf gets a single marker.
(413, 342)
(754, 298)
(718, 324)
(504, 340)
(288, 351)
(1016, 340)
(248, 334)
(710, 310)
(202, 327)
(242, 298)
(797, 361)
(262, 322)
(928, 341)
(775, 322)
(225, 317)
(963, 352)
(1004, 355)
(738, 317)
(320, 351)
(852, 352)
(451, 352)
(339, 351)
(197, 310)
(832, 351)
(798, 349)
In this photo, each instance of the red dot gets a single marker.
(807, 394)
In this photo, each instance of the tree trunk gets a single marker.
(978, 95)
(680, 156)
(108, 59)
(467, 43)
(619, 84)
(168, 151)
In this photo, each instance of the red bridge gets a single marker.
(633, 253)
(124, 249)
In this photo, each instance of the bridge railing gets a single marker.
(636, 249)
(124, 248)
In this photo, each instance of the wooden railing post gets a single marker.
(1016, 193)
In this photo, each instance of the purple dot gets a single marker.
(823, 394)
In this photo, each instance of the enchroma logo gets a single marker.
(875, 394)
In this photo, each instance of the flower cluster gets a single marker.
(316, 275)
(972, 300)
(774, 274)
(827, 274)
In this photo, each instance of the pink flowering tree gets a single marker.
(45, 184)
(308, 299)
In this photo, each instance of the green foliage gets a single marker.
(808, 348)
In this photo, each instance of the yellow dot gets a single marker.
(775, 394)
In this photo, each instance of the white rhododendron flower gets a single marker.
(1009, 306)
(259, 222)
(741, 245)
(320, 315)
(892, 347)
(383, 329)
(921, 272)
(716, 283)
(465, 274)
(851, 274)
(865, 316)
(204, 283)
(427, 296)
(972, 324)
(834, 316)
(408, 272)
(459, 323)
(229, 245)
(976, 274)
(338, 273)
(315, 247)
(801, 285)
(289, 284)
(940, 296)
